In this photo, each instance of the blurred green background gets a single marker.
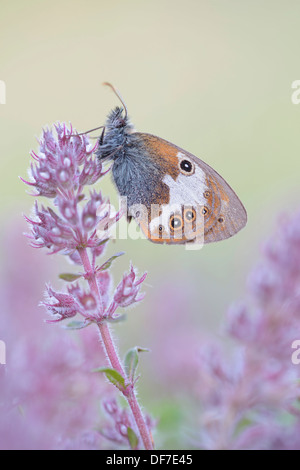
(212, 76)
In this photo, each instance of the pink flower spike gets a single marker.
(64, 165)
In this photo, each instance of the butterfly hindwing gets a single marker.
(185, 199)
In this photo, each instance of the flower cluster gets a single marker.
(64, 165)
(78, 301)
(62, 169)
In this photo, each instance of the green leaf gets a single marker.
(117, 319)
(131, 361)
(132, 437)
(108, 263)
(243, 424)
(102, 242)
(69, 277)
(113, 376)
(76, 325)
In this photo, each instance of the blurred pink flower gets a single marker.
(244, 382)
(249, 399)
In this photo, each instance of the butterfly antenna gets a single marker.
(87, 132)
(117, 93)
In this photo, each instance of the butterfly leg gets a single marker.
(102, 136)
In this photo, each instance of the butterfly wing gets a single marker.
(185, 200)
(226, 213)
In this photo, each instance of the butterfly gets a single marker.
(175, 197)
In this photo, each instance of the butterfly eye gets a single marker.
(175, 222)
(186, 167)
(189, 215)
(221, 220)
(206, 194)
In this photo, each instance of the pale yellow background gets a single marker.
(214, 77)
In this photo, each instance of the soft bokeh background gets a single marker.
(212, 76)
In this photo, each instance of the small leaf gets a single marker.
(102, 242)
(131, 361)
(132, 437)
(113, 376)
(76, 325)
(108, 263)
(69, 277)
(139, 349)
(117, 319)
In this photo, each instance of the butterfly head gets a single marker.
(116, 119)
(113, 140)
(114, 137)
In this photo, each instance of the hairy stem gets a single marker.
(111, 352)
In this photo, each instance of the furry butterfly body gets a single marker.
(174, 196)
